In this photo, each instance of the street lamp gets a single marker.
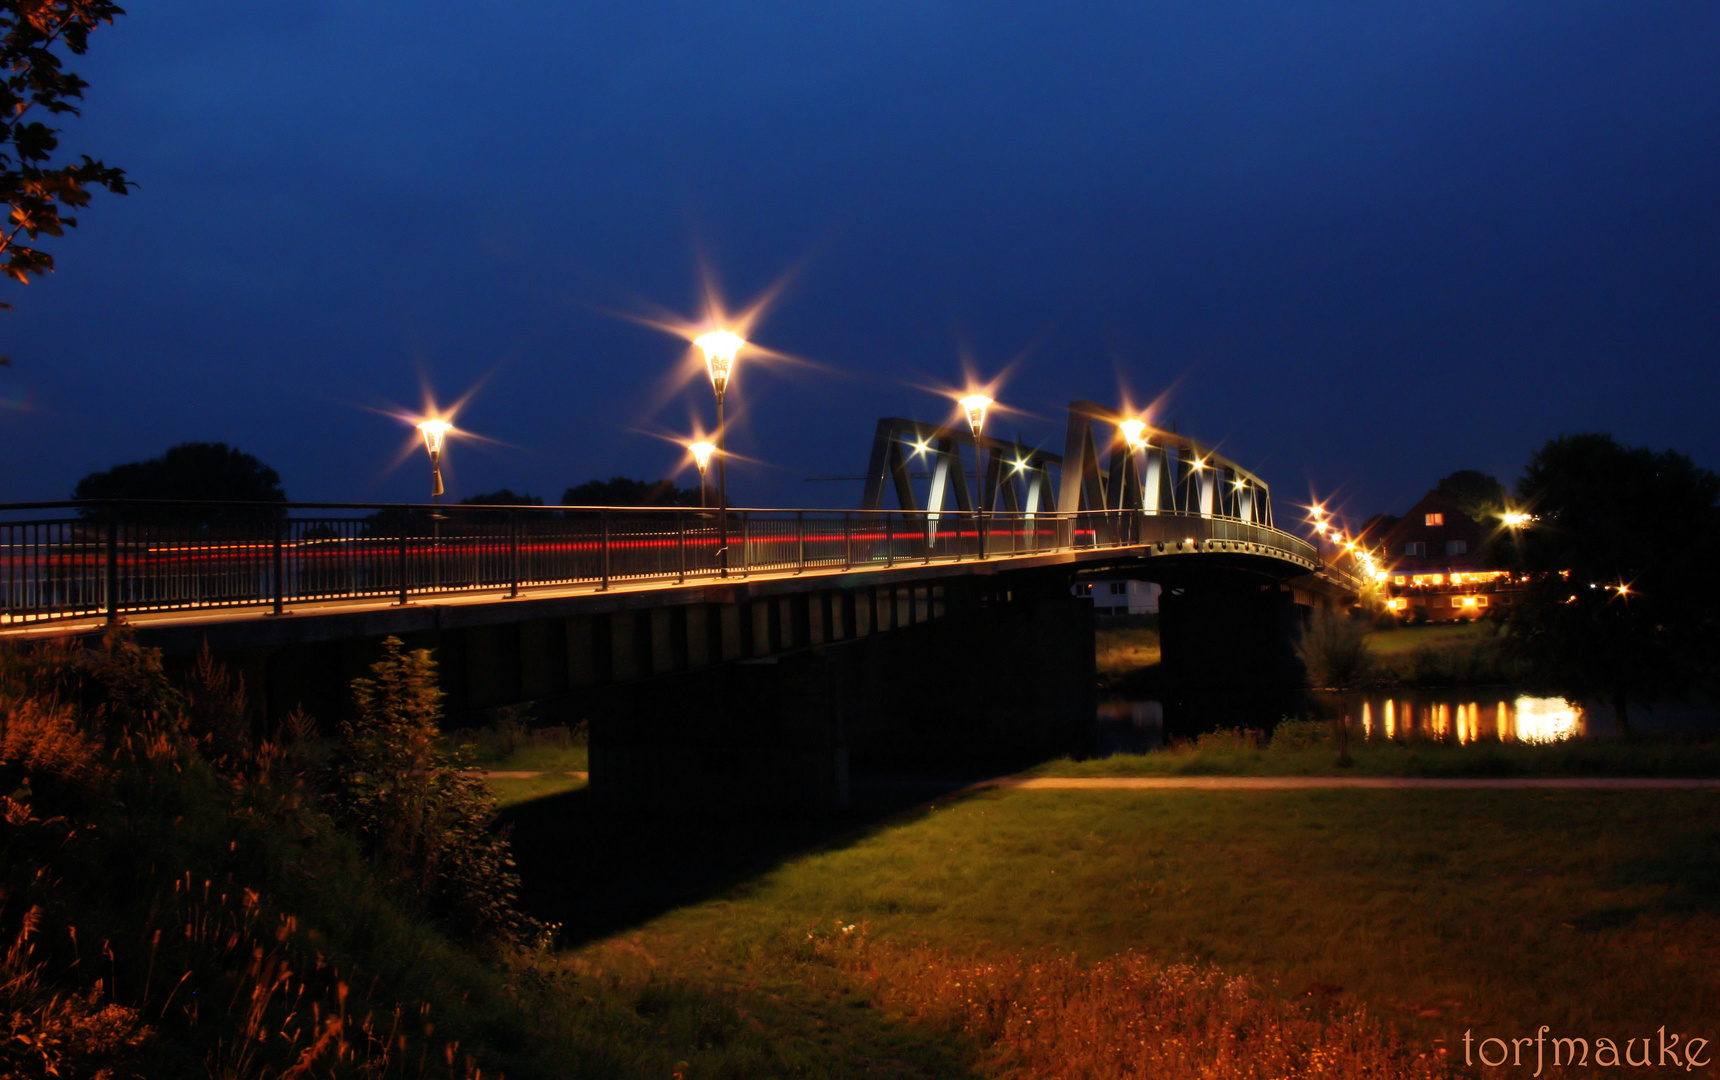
(434, 432)
(1135, 435)
(701, 452)
(720, 348)
(975, 406)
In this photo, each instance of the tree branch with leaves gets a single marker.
(37, 88)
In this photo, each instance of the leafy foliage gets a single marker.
(503, 497)
(621, 491)
(1480, 496)
(417, 808)
(39, 193)
(1624, 553)
(172, 903)
(197, 471)
(1335, 651)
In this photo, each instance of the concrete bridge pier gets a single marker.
(1229, 631)
(996, 667)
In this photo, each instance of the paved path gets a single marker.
(1287, 783)
(1307, 783)
(506, 774)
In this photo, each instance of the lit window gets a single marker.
(1435, 519)
(1399, 580)
(1457, 547)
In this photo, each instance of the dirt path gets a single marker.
(1305, 783)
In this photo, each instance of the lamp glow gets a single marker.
(1515, 520)
(720, 348)
(1134, 433)
(975, 406)
(702, 452)
(434, 432)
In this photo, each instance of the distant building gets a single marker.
(1120, 596)
(1436, 565)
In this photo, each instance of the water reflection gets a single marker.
(1469, 718)
(1460, 715)
(1130, 727)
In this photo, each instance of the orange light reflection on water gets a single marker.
(1521, 719)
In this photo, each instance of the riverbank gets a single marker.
(1309, 748)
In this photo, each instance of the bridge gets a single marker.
(811, 633)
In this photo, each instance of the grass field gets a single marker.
(1597, 913)
(1406, 638)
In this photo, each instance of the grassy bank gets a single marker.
(1306, 748)
(1007, 922)
(1125, 644)
(1456, 654)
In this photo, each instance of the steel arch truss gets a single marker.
(1016, 479)
(1169, 473)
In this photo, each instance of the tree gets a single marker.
(196, 471)
(1480, 496)
(38, 193)
(621, 491)
(1624, 558)
(417, 809)
(1335, 651)
(504, 497)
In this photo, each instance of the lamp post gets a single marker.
(975, 406)
(720, 348)
(434, 432)
(701, 452)
(1135, 435)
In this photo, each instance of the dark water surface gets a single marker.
(1463, 714)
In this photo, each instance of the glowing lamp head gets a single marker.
(975, 406)
(720, 348)
(434, 432)
(1515, 520)
(701, 452)
(1134, 433)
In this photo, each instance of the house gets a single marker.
(1119, 596)
(1437, 568)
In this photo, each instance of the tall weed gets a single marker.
(1122, 1017)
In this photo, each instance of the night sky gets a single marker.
(1357, 246)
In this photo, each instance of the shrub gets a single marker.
(1300, 734)
(418, 809)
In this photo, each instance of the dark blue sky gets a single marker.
(1356, 245)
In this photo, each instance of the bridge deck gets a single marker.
(75, 575)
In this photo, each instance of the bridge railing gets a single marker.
(71, 560)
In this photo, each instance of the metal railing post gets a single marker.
(113, 566)
(280, 566)
(800, 538)
(681, 542)
(605, 517)
(513, 553)
(889, 539)
(405, 516)
(746, 547)
(847, 540)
